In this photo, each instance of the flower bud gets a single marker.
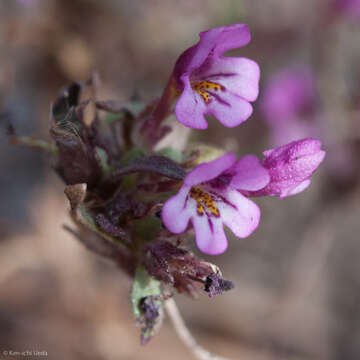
(290, 167)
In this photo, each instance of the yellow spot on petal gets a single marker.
(203, 88)
(204, 201)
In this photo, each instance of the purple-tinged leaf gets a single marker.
(93, 237)
(107, 226)
(176, 266)
(160, 165)
(215, 285)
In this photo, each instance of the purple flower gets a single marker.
(290, 167)
(209, 198)
(210, 83)
(349, 8)
(288, 92)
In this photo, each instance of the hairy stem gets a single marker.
(184, 334)
(151, 128)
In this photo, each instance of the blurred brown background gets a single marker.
(297, 282)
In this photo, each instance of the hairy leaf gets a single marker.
(146, 302)
(153, 164)
(77, 162)
(176, 266)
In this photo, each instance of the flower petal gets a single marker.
(209, 235)
(292, 150)
(217, 41)
(240, 214)
(239, 75)
(290, 165)
(249, 174)
(285, 181)
(296, 190)
(230, 37)
(190, 107)
(231, 110)
(175, 213)
(209, 170)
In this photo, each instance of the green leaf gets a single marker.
(147, 229)
(143, 286)
(146, 288)
(132, 155)
(102, 158)
(172, 154)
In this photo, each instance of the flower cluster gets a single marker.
(216, 193)
(131, 199)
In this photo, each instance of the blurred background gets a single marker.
(297, 282)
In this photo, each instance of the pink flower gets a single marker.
(215, 194)
(290, 167)
(288, 92)
(209, 199)
(349, 8)
(210, 83)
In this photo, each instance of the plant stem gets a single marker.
(151, 128)
(184, 334)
